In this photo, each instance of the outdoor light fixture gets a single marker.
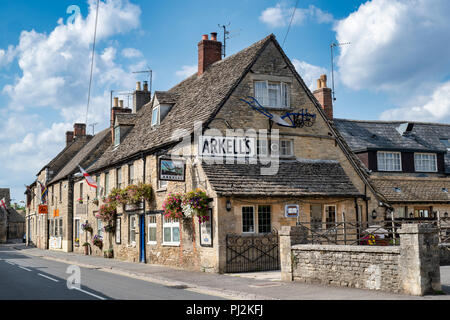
(228, 205)
(374, 214)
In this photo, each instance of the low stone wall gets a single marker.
(411, 268)
(444, 254)
(349, 266)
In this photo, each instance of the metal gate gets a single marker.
(249, 253)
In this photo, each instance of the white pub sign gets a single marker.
(217, 146)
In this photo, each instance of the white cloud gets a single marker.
(436, 108)
(7, 56)
(131, 53)
(281, 15)
(186, 71)
(309, 72)
(394, 44)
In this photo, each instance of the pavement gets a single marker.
(242, 286)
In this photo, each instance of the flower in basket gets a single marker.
(196, 203)
(107, 213)
(77, 240)
(86, 227)
(95, 201)
(80, 200)
(97, 241)
(172, 206)
(86, 244)
(110, 228)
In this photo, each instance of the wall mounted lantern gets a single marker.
(374, 214)
(228, 205)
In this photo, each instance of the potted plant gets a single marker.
(86, 227)
(86, 248)
(172, 206)
(98, 242)
(110, 228)
(95, 201)
(108, 253)
(80, 200)
(196, 203)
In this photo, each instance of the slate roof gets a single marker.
(101, 138)
(414, 189)
(300, 178)
(382, 135)
(197, 98)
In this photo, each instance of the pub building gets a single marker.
(248, 132)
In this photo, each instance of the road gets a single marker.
(33, 278)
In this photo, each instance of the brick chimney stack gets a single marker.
(69, 137)
(323, 95)
(140, 97)
(79, 130)
(209, 51)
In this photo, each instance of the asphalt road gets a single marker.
(33, 278)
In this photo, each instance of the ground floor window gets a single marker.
(152, 229)
(330, 216)
(171, 231)
(248, 219)
(77, 232)
(264, 225)
(118, 230)
(263, 219)
(132, 228)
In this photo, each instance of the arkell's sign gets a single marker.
(216, 146)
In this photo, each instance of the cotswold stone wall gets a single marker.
(348, 266)
(411, 268)
(444, 254)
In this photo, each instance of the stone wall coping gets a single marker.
(417, 228)
(347, 248)
(447, 245)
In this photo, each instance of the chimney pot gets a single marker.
(121, 104)
(145, 86)
(138, 86)
(79, 129)
(205, 37)
(214, 36)
(116, 102)
(323, 95)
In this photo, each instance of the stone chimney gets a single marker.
(209, 51)
(69, 137)
(79, 130)
(323, 95)
(140, 97)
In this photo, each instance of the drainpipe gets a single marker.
(70, 195)
(367, 204)
(142, 232)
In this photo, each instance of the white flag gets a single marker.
(88, 178)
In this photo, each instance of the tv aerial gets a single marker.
(227, 35)
(332, 64)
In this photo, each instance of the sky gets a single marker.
(394, 63)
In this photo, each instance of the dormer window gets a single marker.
(389, 161)
(425, 162)
(272, 94)
(155, 116)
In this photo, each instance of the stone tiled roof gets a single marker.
(125, 119)
(197, 98)
(5, 193)
(86, 156)
(14, 216)
(414, 189)
(165, 97)
(294, 178)
(383, 135)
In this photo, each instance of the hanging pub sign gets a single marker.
(291, 211)
(43, 209)
(171, 170)
(217, 146)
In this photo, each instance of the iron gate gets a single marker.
(249, 253)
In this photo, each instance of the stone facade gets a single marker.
(411, 268)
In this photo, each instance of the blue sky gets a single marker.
(396, 67)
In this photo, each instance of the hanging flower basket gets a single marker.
(95, 201)
(87, 227)
(107, 213)
(80, 201)
(172, 206)
(98, 242)
(195, 203)
(110, 228)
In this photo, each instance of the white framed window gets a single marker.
(132, 229)
(263, 148)
(248, 219)
(106, 183)
(116, 136)
(100, 228)
(77, 231)
(119, 178)
(272, 94)
(130, 174)
(286, 148)
(425, 162)
(155, 116)
(171, 231)
(389, 161)
(152, 229)
(330, 216)
(118, 230)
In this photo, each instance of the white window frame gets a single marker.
(284, 88)
(77, 227)
(118, 233)
(254, 220)
(100, 231)
(156, 121)
(131, 228)
(172, 224)
(130, 170)
(107, 176)
(119, 178)
(152, 224)
(291, 151)
(379, 153)
(425, 154)
(262, 147)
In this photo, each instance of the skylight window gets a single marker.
(445, 190)
(398, 190)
